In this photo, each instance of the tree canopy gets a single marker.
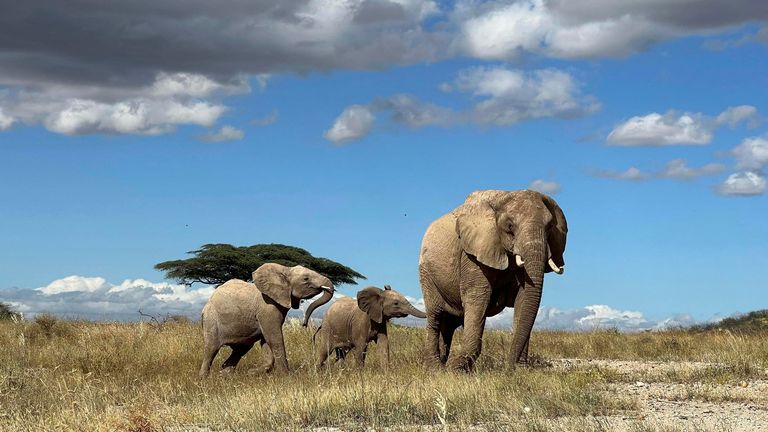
(214, 264)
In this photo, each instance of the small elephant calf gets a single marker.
(350, 324)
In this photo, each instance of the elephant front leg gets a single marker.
(269, 359)
(360, 351)
(382, 345)
(471, 340)
(272, 328)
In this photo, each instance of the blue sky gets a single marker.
(665, 217)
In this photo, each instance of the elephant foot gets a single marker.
(432, 362)
(461, 364)
(227, 371)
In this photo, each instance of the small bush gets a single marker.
(7, 313)
(48, 326)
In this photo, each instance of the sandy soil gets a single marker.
(668, 405)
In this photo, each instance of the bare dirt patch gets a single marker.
(685, 396)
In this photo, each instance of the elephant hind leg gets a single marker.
(238, 351)
(209, 354)
(323, 350)
(448, 326)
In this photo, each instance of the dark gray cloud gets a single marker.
(126, 44)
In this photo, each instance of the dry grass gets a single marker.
(63, 375)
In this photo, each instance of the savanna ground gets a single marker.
(69, 375)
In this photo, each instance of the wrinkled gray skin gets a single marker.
(468, 270)
(239, 313)
(350, 324)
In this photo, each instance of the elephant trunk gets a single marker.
(535, 255)
(323, 299)
(415, 312)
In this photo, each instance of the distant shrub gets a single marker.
(47, 325)
(752, 322)
(7, 313)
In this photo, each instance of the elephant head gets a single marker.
(287, 286)
(524, 226)
(382, 304)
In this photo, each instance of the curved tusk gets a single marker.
(554, 267)
(519, 260)
(329, 289)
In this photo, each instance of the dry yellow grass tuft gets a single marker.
(70, 375)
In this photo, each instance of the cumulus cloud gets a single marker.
(510, 96)
(500, 97)
(353, 123)
(503, 30)
(6, 121)
(752, 153)
(732, 116)
(170, 101)
(592, 317)
(751, 159)
(544, 186)
(95, 298)
(225, 133)
(747, 183)
(675, 128)
(657, 129)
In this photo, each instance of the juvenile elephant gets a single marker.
(239, 313)
(487, 254)
(349, 324)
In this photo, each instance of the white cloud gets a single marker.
(74, 284)
(592, 317)
(194, 85)
(95, 298)
(675, 128)
(658, 129)
(509, 96)
(6, 121)
(137, 116)
(732, 116)
(678, 169)
(501, 97)
(503, 30)
(632, 173)
(746, 183)
(225, 133)
(752, 153)
(543, 186)
(353, 123)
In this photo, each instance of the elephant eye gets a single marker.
(306, 278)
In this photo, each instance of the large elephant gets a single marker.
(350, 324)
(239, 313)
(487, 254)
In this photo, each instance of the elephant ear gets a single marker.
(272, 281)
(370, 301)
(479, 235)
(558, 231)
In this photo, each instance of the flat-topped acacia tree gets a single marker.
(214, 264)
